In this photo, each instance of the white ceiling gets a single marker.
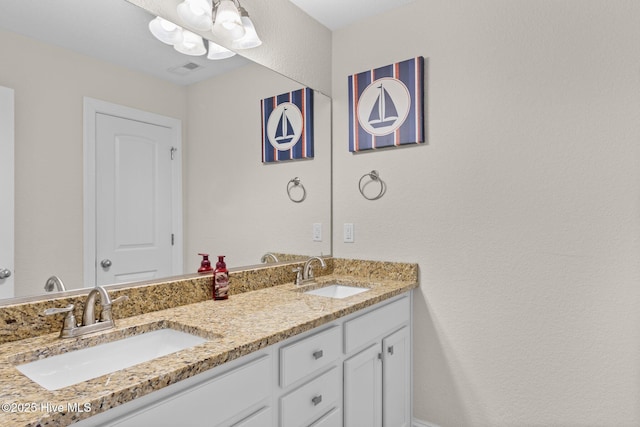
(111, 30)
(335, 14)
(117, 31)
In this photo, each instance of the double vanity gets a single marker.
(334, 351)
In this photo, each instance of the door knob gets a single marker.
(105, 263)
(4, 273)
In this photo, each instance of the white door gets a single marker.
(6, 193)
(134, 230)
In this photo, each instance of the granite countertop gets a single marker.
(235, 327)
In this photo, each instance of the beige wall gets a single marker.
(48, 148)
(240, 204)
(522, 210)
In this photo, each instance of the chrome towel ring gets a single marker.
(296, 183)
(374, 176)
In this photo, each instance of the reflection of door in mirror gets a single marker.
(135, 201)
(6, 193)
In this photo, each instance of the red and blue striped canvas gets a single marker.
(386, 106)
(287, 126)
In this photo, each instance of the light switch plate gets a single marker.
(348, 232)
(317, 232)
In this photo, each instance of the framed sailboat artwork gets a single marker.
(287, 126)
(386, 106)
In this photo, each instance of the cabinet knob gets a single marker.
(318, 354)
(105, 263)
(4, 273)
(316, 400)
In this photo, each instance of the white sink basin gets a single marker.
(77, 366)
(337, 291)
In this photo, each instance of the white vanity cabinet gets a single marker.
(311, 378)
(352, 372)
(377, 371)
(236, 394)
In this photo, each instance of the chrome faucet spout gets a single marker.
(54, 282)
(307, 270)
(265, 258)
(89, 321)
(89, 317)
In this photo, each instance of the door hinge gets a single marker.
(173, 239)
(173, 152)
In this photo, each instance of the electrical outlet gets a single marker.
(348, 232)
(317, 232)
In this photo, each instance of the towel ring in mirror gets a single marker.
(293, 183)
(374, 176)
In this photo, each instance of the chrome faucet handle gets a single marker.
(69, 323)
(298, 271)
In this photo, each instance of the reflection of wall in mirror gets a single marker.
(49, 166)
(242, 203)
(50, 84)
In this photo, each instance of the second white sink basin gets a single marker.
(337, 291)
(70, 368)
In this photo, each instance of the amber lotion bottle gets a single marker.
(221, 280)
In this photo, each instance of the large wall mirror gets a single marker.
(58, 55)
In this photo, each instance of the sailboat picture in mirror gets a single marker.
(287, 126)
(386, 106)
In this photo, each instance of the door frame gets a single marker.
(7, 182)
(91, 108)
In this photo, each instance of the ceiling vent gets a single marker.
(185, 69)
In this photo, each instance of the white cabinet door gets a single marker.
(396, 379)
(363, 388)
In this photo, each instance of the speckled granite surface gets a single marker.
(24, 320)
(244, 323)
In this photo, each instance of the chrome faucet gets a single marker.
(305, 273)
(54, 282)
(89, 322)
(265, 258)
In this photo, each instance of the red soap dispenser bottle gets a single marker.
(221, 280)
(205, 265)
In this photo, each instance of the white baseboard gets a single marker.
(419, 423)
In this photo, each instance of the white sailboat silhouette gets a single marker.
(284, 131)
(384, 111)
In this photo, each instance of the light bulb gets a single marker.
(192, 44)
(218, 52)
(228, 24)
(250, 38)
(165, 31)
(196, 14)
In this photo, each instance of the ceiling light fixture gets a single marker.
(165, 31)
(191, 44)
(218, 52)
(227, 19)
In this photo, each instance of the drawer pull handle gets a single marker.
(318, 354)
(390, 350)
(316, 400)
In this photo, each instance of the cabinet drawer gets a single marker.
(308, 355)
(262, 418)
(308, 402)
(332, 419)
(368, 327)
(210, 402)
